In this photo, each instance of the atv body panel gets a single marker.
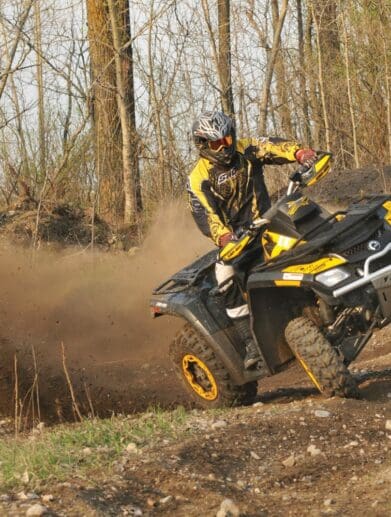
(363, 226)
(192, 295)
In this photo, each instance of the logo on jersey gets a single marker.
(226, 176)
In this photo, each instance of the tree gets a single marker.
(116, 141)
(224, 58)
(221, 51)
(41, 103)
(281, 79)
(305, 109)
(18, 36)
(124, 94)
(271, 61)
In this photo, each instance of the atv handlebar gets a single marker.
(304, 176)
(251, 228)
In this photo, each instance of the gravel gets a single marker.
(321, 413)
(36, 510)
(228, 509)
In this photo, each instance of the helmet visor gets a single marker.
(217, 145)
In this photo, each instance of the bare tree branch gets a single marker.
(18, 37)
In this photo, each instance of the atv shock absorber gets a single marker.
(326, 312)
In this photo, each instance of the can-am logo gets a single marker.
(374, 245)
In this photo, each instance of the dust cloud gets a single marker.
(97, 305)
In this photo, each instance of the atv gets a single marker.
(317, 285)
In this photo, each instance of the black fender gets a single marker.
(272, 308)
(208, 317)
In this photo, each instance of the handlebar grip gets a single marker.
(295, 176)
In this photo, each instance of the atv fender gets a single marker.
(192, 308)
(272, 309)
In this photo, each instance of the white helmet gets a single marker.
(214, 136)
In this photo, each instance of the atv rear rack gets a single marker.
(187, 276)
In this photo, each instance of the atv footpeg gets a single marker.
(252, 355)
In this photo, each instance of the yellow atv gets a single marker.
(317, 285)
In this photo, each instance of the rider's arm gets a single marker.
(273, 151)
(202, 203)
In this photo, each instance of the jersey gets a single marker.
(225, 198)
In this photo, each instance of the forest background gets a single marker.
(97, 97)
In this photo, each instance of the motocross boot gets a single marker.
(242, 327)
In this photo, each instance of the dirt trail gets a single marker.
(293, 453)
(97, 306)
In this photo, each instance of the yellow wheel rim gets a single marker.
(308, 372)
(199, 377)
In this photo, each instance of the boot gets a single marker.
(242, 327)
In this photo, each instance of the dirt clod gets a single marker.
(228, 509)
(320, 413)
(36, 510)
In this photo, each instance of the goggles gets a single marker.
(217, 145)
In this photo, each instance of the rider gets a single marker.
(227, 191)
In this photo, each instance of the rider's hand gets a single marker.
(306, 157)
(226, 238)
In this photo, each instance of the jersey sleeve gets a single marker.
(202, 203)
(272, 151)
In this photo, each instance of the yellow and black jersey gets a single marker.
(225, 198)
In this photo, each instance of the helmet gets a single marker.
(214, 136)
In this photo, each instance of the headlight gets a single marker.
(332, 276)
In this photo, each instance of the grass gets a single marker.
(75, 450)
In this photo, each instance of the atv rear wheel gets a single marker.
(319, 359)
(205, 377)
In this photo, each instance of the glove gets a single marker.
(226, 238)
(306, 157)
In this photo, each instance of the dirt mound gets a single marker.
(340, 187)
(58, 226)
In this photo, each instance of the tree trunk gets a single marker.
(222, 54)
(156, 109)
(282, 110)
(224, 58)
(305, 115)
(330, 63)
(325, 107)
(310, 70)
(41, 104)
(107, 130)
(130, 103)
(265, 95)
(130, 205)
(349, 89)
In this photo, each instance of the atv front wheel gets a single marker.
(205, 377)
(319, 359)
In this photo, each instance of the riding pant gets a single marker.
(235, 305)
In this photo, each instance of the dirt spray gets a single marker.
(97, 305)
